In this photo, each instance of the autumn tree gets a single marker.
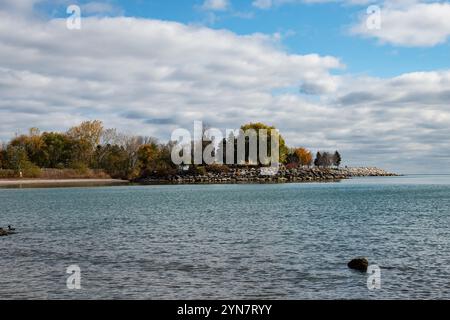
(32, 144)
(304, 156)
(87, 136)
(147, 155)
(89, 132)
(154, 160)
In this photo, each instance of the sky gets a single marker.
(371, 82)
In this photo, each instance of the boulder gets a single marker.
(360, 264)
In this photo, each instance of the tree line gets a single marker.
(87, 146)
(326, 159)
(92, 146)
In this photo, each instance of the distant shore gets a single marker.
(18, 182)
(232, 176)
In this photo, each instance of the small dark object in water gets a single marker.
(7, 232)
(360, 264)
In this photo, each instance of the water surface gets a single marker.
(280, 241)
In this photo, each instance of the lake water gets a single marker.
(280, 241)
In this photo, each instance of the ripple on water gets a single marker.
(228, 242)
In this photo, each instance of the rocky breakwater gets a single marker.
(251, 175)
(366, 172)
(259, 175)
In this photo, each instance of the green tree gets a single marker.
(337, 159)
(3, 156)
(283, 149)
(58, 150)
(19, 162)
(113, 159)
(319, 159)
(292, 157)
(32, 144)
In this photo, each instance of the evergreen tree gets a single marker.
(318, 161)
(337, 159)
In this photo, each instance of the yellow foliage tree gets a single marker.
(89, 132)
(305, 157)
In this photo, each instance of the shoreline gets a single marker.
(233, 176)
(18, 182)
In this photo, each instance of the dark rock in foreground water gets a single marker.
(7, 232)
(360, 264)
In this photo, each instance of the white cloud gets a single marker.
(144, 70)
(18, 7)
(267, 4)
(419, 24)
(410, 23)
(216, 5)
(150, 76)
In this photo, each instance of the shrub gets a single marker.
(31, 171)
(201, 170)
(80, 167)
(8, 174)
(292, 165)
(73, 174)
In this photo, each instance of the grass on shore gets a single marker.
(56, 174)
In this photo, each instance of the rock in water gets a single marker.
(360, 264)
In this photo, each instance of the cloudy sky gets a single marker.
(312, 68)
